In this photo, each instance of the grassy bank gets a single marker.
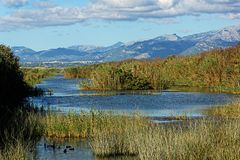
(218, 70)
(18, 140)
(34, 76)
(86, 124)
(215, 136)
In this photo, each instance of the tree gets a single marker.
(12, 86)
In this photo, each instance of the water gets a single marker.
(68, 97)
(82, 151)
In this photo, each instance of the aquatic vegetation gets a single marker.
(215, 136)
(218, 70)
(34, 76)
(79, 72)
(117, 135)
(113, 78)
(113, 134)
(80, 125)
(199, 139)
(20, 139)
(226, 111)
(75, 125)
(203, 139)
(16, 151)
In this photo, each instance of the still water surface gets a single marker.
(67, 97)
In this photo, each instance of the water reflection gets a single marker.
(81, 150)
(67, 97)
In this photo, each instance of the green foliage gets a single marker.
(218, 70)
(25, 131)
(109, 77)
(12, 86)
(15, 120)
(34, 76)
(112, 134)
(79, 72)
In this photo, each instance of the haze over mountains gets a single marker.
(161, 46)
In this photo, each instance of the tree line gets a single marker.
(218, 69)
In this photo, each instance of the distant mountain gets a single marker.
(23, 52)
(161, 46)
(223, 38)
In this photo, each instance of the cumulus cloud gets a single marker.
(46, 14)
(232, 16)
(13, 3)
(43, 4)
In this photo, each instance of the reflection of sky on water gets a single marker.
(67, 96)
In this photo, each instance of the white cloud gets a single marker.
(46, 14)
(14, 3)
(232, 16)
(43, 4)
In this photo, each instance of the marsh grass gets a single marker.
(16, 151)
(117, 136)
(207, 138)
(227, 111)
(75, 125)
(20, 138)
(215, 137)
(82, 124)
(203, 139)
(109, 133)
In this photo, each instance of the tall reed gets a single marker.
(217, 69)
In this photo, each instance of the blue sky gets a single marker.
(44, 24)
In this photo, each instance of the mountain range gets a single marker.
(161, 46)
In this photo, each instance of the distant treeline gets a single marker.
(218, 69)
(35, 75)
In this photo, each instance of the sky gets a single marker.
(45, 24)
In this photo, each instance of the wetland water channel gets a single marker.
(66, 96)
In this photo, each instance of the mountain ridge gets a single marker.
(161, 46)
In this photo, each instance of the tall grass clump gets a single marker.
(200, 140)
(34, 76)
(25, 131)
(218, 70)
(79, 125)
(211, 137)
(117, 135)
(226, 111)
(109, 77)
(75, 125)
(109, 133)
(14, 151)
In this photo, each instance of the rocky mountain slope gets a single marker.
(161, 46)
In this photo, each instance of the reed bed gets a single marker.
(117, 136)
(67, 125)
(84, 124)
(111, 134)
(228, 111)
(21, 137)
(14, 151)
(204, 139)
(215, 137)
